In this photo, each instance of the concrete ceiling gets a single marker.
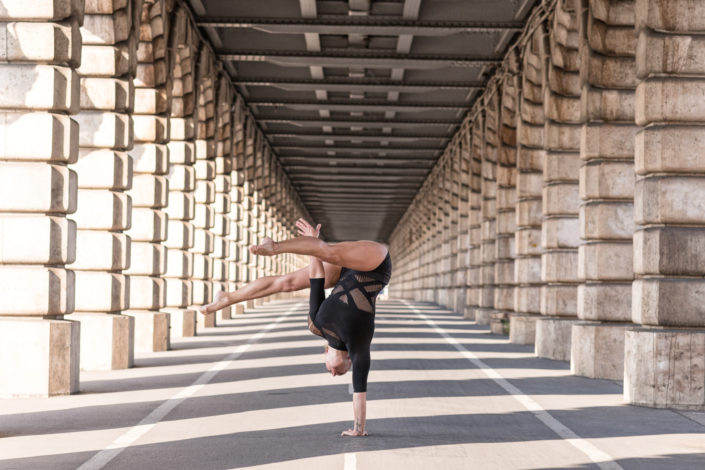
(359, 98)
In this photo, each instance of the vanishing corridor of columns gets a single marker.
(567, 210)
(581, 169)
(138, 188)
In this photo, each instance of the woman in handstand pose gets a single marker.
(359, 270)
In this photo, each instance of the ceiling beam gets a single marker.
(313, 136)
(352, 58)
(364, 25)
(369, 122)
(352, 148)
(356, 105)
(346, 85)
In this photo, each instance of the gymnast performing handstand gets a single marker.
(358, 271)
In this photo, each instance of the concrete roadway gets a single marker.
(253, 393)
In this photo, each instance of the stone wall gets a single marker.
(133, 181)
(589, 135)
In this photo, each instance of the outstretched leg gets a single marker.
(269, 285)
(362, 255)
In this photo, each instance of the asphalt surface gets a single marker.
(253, 393)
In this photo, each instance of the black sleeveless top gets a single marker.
(346, 319)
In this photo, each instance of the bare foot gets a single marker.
(220, 301)
(265, 248)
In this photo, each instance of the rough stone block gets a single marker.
(553, 338)
(597, 350)
(606, 220)
(54, 137)
(607, 72)
(559, 266)
(182, 178)
(560, 199)
(104, 169)
(607, 180)
(527, 299)
(102, 250)
(205, 169)
(50, 43)
(179, 264)
(100, 209)
(528, 242)
(101, 291)
(522, 328)
(665, 368)
(669, 199)
(607, 105)
(607, 141)
(669, 15)
(148, 225)
(105, 130)
(504, 248)
(204, 217)
(40, 358)
(613, 13)
(530, 135)
(559, 299)
(504, 298)
(678, 251)
(106, 94)
(147, 259)
(37, 187)
(610, 40)
(660, 99)
(29, 239)
(106, 61)
(151, 330)
(560, 232)
(202, 266)
(527, 270)
(528, 212)
(182, 322)
(150, 158)
(180, 153)
(202, 294)
(562, 108)
(669, 149)
(668, 302)
(605, 301)
(37, 86)
(203, 241)
(149, 191)
(147, 293)
(561, 166)
(606, 261)
(179, 292)
(150, 128)
(52, 290)
(181, 206)
(561, 136)
(530, 160)
(205, 192)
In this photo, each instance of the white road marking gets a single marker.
(125, 440)
(350, 462)
(599, 457)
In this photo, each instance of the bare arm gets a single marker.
(360, 411)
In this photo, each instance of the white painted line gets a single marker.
(350, 462)
(102, 458)
(599, 457)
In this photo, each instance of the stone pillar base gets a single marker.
(597, 350)
(665, 368)
(206, 321)
(107, 340)
(553, 337)
(522, 328)
(469, 313)
(239, 309)
(250, 304)
(39, 358)
(224, 313)
(151, 330)
(499, 323)
(483, 315)
(182, 322)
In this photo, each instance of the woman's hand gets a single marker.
(354, 433)
(306, 230)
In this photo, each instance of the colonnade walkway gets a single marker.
(253, 393)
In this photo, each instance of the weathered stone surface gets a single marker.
(560, 199)
(41, 42)
(605, 301)
(103, 210)
(102, 250)
(100, 291)
(37, 187)
(148, 225)
(665, 368)
(606, 220)
(669, 199)
(669, 149)
(660, 99)
(148, 259)
(605, 261)
(151, 330)
(597, 350)
(561, 166)
(560, 232)
(607, 180)
(39, 87)
(147, 293)
(105, 130)
(607, 104)
(607, 140)
(104, 169)
(559, 299)
(522, 328)
(668, 302)
(669, 15)
(553, 338)
(106, 340)
(52, 290)
(55, 137)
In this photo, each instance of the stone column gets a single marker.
(104, 209)
(475, 217)
(489, 207)
(463, 241)
(559, 232)
(506, 205)
(665, 358)
(39, 350)
(608, 76)
(222, 205)
(205, 187)
(530, 156)
(150, 191)
(238, 248)
(182, 179)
